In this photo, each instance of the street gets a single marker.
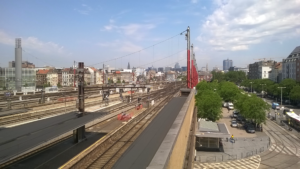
(284, 150)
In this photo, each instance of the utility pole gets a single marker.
(187, 36)
(74, 66)
(81, 88)
(281, 93)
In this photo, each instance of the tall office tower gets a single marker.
(18, 64)
(227, 64)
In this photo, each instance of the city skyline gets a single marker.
(94, 32)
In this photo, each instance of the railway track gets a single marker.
(35, 102)
(37, 95)
(46, 112)
(105, 152)
(112, 109)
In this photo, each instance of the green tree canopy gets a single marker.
(218, 76)
(289, 84)
(252, 107)
(58, 84)
(209, 105)
(202, 86)
(228, 91)
(295, 93)
(235, 76)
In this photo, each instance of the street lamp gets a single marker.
(262, 89)
(281, 93)
(251, 87)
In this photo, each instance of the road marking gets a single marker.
(247, 163)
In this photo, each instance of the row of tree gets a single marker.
(209, 99)
(291, 87)
(232, 76)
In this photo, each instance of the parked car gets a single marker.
(250, 129)
(225, 104)
(287, 102)
(230, 106)
(234, 123)
(240, 119)
(235, 114)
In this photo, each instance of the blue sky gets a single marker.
(58, 32)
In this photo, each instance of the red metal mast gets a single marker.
(188, 58)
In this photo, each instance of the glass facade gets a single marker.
(8, 78)
(207, 143)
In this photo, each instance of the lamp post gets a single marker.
(262, 89)
(251, 87)
(281, 93)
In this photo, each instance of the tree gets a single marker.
(235, 76)
(58, 84)
(209, 105)
(119, 80)
(123, 81)
(228, 91)
(219, 76)
(289, 84)
(202, 86)
(252, 108)
(295, 93)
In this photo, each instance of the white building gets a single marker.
(260, 70)
(52, 77)
(276, 72)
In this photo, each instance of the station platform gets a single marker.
(20, 139)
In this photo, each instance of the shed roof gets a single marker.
(212, 129)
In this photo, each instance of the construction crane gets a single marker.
(265, 59)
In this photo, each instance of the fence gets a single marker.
(242, 148)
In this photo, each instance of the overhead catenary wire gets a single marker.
(164, 57)
(37, 58)
(135, 51)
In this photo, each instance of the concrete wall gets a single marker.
(179, 150)
(172, 151)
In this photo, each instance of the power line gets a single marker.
(136, 51)
(37, 58)
(165, 57)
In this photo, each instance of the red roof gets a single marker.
(42, 71)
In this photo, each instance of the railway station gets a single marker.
(109, 117)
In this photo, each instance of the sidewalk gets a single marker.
(247, 163)
(246, 144)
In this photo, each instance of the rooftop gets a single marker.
(211, 129)
(42, 71)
